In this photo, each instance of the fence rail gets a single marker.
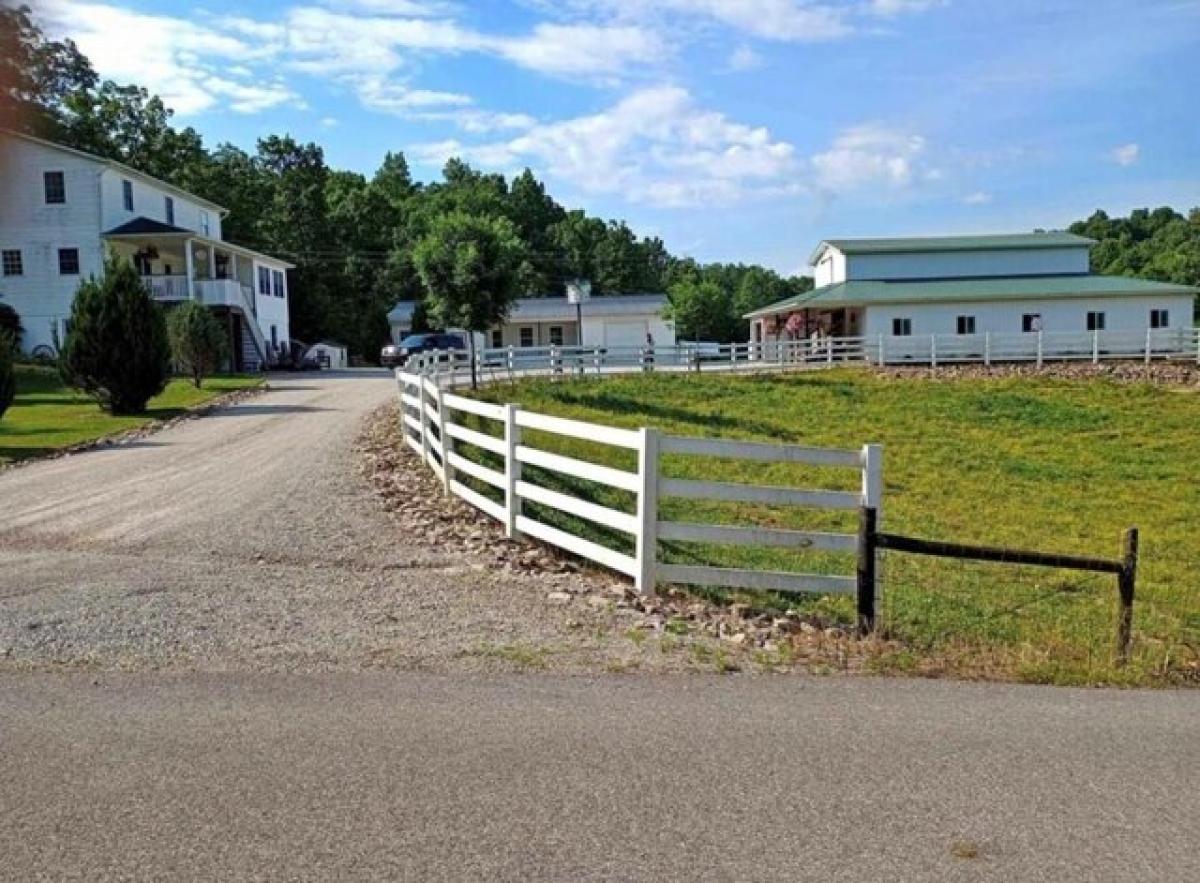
(935, 350)
(495, 451)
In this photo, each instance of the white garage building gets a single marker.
(608, 321)
(967, 296)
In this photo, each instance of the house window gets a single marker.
(497, 338)
(68, 262)
(204, 223)
(1095, 321)
(901, 327)
(127, 195)
(56, 188)
(277, 283)
(526, 336)
(11, 260)
(264, 280)
(966, 324)
(1031, 322)
(556, 335)
(1160, 319)
(169, 209)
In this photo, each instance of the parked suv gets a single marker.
(397, 354)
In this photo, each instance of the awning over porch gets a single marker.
(148, 230)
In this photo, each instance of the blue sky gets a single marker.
(735, 129)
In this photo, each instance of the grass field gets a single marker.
(1058, 465)
(47, 416)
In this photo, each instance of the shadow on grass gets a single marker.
(622, 404)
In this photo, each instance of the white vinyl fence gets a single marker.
(433, 427)
(922, 349)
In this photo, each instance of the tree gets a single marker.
(468, 265)
(197, 340)
(37, 75)
(116, 349)
(7, 380)
(10, 324)
(700, 310)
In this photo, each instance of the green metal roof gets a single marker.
(864, 293)
(999, 242)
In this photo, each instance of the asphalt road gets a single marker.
(415, 777)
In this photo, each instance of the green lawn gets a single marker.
(1058, 465)
(47, 416)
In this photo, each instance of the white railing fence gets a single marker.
(494, 455)
(927, 349)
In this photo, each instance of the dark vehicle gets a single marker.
(394, 355)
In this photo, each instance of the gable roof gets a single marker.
(868, 292)
(145, 225)
(120, 167)
(984, 242)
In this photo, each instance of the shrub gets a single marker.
(10, 324)
(7, 379)
(197, 340)
(116, 349)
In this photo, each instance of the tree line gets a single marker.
(355, 239)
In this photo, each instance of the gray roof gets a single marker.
(867, 292)
(551, 309)
(984, 242)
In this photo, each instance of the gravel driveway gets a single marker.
(248, 540)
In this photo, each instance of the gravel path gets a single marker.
(248, 540)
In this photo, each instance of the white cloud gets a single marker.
(1126, 154)
(872, 155)
(329, 122)
(743, 58)
(893, 8)
(979, 197)
(655, 146)
(580, 50)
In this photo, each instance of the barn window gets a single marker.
(556, 335)
(526, 335)
(966, 324)
(55, 184)
(902, 327)
(1031, 322)
(1095, 321)
(1160, 319)
(12, 262)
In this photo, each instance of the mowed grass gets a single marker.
(1048, 464)
(47, 416)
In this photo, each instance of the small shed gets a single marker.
(329, 354)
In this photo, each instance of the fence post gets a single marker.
(882, 356)
(424, 417)
(866, 573)
(1039, 348)
(447, 442)
(1125, 586)
(512, 471)
(987, 349)
(1096, 347)
(933, 350)
(647, 511)
(872, 478)
(1149, 350)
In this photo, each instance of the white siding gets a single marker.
(149, 202)
(1061, 314)
(272, 310)
(41, 296)
(830, 268)
(960, 264)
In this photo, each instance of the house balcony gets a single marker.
(210, 292)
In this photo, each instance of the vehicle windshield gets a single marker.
(413, 340)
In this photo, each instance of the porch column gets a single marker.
(212, 263)
(189, 265)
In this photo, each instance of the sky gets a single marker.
(737, 130)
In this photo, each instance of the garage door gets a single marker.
(625, 334)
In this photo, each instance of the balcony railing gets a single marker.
(210, 292)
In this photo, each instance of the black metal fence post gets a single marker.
(868, 519)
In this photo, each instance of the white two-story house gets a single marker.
(62, 210)
(967, 296)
